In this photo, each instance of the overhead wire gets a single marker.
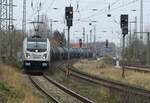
(103, 12)
(114, 3)
(51, 4)
(35, 12)
(124, 5)
(103, 9)
(79, 20)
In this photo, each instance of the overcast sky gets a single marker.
(109, 24)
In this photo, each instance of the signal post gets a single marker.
(69, 20)
(124, 28)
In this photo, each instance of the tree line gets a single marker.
(137, 51)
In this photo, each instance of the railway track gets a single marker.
(68, 91)
(36, 84)
(113, 85)
(139, 69)
(67, 95)
(109, 83)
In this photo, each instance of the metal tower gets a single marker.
(10, 21)
(3, 25)
(0, 13)
(6, 24)
(4, 15)
(141, 20)
(0, 28)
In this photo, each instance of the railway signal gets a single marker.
(124, 28)
(69, 23)
(69, 15)
(106, 43)
(124, 24)
(69, 19)
(80, 43)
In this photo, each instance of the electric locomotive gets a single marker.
(36, 54)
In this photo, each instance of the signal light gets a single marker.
(125, 31)
(124, 23)
(69, 23)
(69, 13)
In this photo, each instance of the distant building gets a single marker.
(76, 45)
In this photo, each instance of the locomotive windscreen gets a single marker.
(37, 44)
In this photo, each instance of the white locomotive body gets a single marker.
(36, 54)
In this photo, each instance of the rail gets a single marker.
(41, 89)
(70, 92)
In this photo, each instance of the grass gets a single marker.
(101, 69)
(98, 94)
(13, 87)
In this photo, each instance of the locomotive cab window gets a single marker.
(37, 44)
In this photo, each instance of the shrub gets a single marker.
(108, 60)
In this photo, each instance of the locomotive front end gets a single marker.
(36, 54)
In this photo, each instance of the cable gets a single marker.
(114, 3)
(35, 12)
(127, 4)
(50, 5)
(43, 3)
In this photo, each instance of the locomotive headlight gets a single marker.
(44, 56)
(27, 55)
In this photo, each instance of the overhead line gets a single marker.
(35, 12)
(114, 3)
(127, 4)
(50, 6)
(102, 9)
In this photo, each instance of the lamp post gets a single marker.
(51, 25)
(135, 30)
(83, 35)
(94, 36)
(94, 21)
(141, 19)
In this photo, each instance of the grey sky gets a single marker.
(104, 23)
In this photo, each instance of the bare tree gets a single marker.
(58, 39)
(136, 52)
(11, 43)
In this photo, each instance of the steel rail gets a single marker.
(41, 89)
(109, 83)
(138, 69)
(70, 92)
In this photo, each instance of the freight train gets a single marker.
(38, 54)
